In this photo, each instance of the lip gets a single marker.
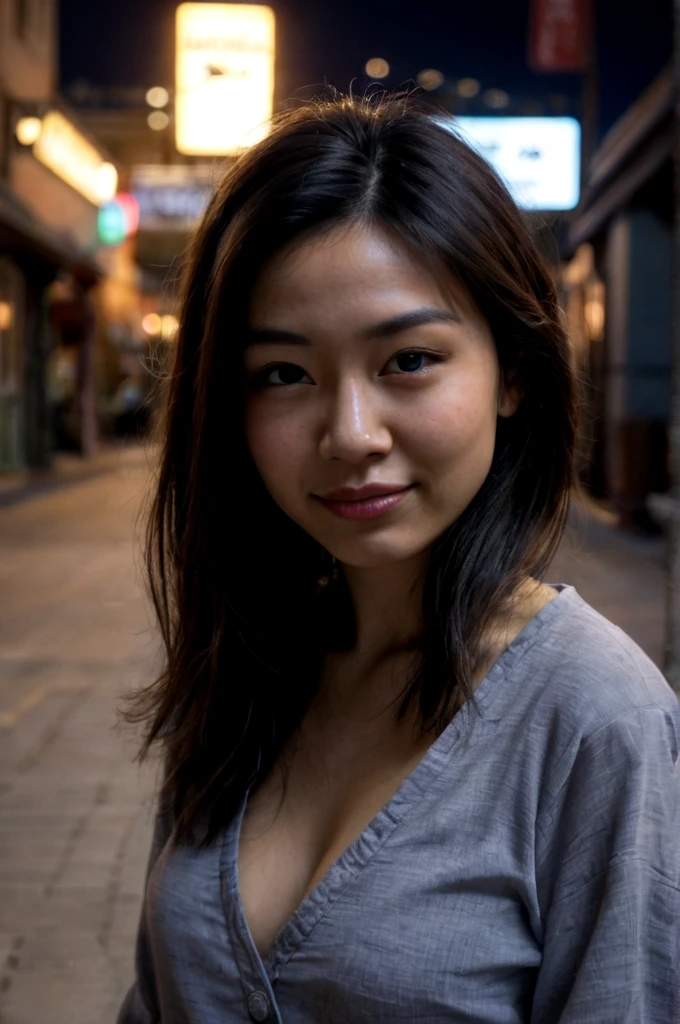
(366, 502)
(361, 493)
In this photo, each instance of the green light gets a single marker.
(111, 223)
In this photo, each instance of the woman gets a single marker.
(405, 780)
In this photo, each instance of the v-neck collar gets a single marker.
(413, 788)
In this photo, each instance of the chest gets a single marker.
(310, 810)
(429, 916)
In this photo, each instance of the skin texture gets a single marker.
(355, 417)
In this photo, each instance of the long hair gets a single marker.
(234, 581)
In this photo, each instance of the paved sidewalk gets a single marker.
(74, 810)
(65, 470)
(621, 574)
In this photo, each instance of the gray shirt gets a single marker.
(526, 872)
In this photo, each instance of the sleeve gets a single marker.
(608, 879)
(141, 1004)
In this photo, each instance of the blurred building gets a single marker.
(170, 190)
(60, 293)
(618, 291)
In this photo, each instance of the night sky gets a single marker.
(130, 43)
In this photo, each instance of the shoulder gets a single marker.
(579, 666)
(577, 694)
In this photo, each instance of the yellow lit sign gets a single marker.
(70, 156)
(224, 77)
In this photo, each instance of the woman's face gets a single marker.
(373, 392)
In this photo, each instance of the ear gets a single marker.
(510, 396)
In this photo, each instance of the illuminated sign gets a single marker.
(539, 158)
(118, 219)
(560, 34)
(171, 197)
(224, 84)
(70, 156)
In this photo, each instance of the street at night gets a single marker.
(340, 478)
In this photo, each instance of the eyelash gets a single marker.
(260, 377)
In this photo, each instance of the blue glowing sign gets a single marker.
(539, 158)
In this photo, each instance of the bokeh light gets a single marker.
(158, 120)
(497, 99)
(467, 88)
(376, 67)
(28, 130)
(169, 327)
(107, 181)
(151, 324)
(6, 316)
(430, 79)
(157, 96)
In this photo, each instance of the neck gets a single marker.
(387, 606)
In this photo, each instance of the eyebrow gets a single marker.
(264, 334)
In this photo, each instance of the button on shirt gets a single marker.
(258, 1005)
(527, 871)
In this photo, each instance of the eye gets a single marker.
(282, 373)
(409, 362)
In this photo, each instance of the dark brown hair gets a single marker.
(233, 580)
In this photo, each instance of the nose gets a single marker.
(353, 427)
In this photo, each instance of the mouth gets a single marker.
(367, 502)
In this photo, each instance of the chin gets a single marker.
(377, 554)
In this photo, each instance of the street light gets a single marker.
(467, 88)
(376, 67)
(151, 324)
(164, 327)
(157, 96)
(158, 120)
(28, 130)
(430, 79)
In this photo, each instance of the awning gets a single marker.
(623, 187)
(22, 234)
(630, 154)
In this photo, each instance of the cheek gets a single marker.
(277, 444)
(456, 426)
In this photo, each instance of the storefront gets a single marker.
(32, 259)
(66, 297)
(617, 290)
(71, 295)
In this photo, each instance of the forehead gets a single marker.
(353, 269)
